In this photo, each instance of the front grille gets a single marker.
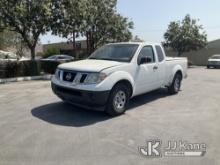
(83, 78)
(69, 76)
(73, 77)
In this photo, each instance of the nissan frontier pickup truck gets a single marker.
(115, 73)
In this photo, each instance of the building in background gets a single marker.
(200, 57)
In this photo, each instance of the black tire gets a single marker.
(208, 66)
(123, 91)
(176, 84)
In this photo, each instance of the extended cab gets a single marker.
(117, 72)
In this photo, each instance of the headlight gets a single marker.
(57, 74)
(94, 78)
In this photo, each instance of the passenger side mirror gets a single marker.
(144, 60)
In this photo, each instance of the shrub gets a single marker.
(30, 68)
(10, 69)
(49, 66)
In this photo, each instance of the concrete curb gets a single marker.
(18, 79)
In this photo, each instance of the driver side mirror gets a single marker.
(144, 60)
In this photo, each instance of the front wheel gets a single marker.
(118, 100)
(176, 84)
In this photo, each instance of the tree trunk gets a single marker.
(32, 52)
(74, 43)
(92, 43)
(87, 42)
(88, 36)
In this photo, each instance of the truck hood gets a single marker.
(89, 65)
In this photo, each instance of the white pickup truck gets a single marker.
(117, 72)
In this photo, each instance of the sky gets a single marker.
(151, 17)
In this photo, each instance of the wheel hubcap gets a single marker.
(119, 101)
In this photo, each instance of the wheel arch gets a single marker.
(180, 73)
(177, 69)
(127, 83)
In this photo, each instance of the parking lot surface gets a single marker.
(37, 128)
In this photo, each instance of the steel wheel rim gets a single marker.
(119, 101)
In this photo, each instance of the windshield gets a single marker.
(215, 57)
(52, 57)
(115, 52)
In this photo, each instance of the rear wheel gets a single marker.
(118, 100)
(176, 84)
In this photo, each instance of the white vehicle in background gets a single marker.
(24, 59)
(117, 72)
(214, 61)
(7, 56)
(59, 58)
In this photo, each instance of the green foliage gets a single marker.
(104, 24)
(115, 29)
(185, 36)
(52, 50)
(29, 18)
(17, 69)
(96, 20)
(6, 39)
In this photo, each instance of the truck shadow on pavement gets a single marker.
(64, 114)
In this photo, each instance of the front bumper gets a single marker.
(214, 65)
(86, 99)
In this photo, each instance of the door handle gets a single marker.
(155, 67)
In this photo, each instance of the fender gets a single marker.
(117, 76)
(174, 70)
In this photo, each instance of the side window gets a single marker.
(62, 57)
(159, 53)
(148, 52)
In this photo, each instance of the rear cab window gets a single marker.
(160, 53)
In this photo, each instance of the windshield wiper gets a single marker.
(108, 59)
(93, 58)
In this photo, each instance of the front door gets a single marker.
(147, 73)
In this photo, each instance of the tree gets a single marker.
(103, 24)
(71, 13)
(29, 18)
(185, 36)
(6, 39)
(97, 20)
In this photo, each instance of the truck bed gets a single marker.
(171, 63)
(175, 58)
